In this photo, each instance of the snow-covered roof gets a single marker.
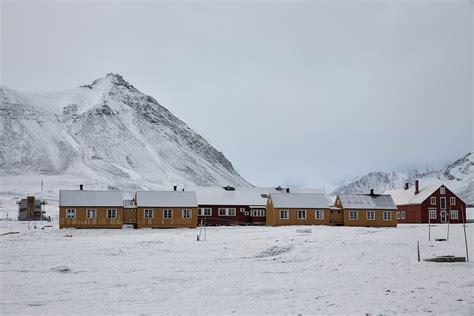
(404, 197)
(300, 200)
(254, 196)
(367, 201)
(90, 198)
(166, 199)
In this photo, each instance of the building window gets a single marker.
(111, 213)
(284, 214)
(452, 200)
(403, 215)
(353, 215)
(442, 190)
(206, 211)
(226, 211)
(71, 213)
(398, 215)
(167, 214)
(442, 202)
(370, 215)
(258, 212)
(301, 214)
(91, 213)
(387, 216)
(319, 214)
(433, 200)
(454, 214)
(148, 214)
(432, 214)
(187, 213)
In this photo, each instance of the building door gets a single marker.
(442, 216)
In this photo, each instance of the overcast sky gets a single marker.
(302, 93)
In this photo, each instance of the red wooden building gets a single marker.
(435, 204)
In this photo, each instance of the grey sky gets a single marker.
(303, 93)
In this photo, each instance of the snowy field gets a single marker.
(243, 270)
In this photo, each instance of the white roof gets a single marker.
(166, 199)
(367, 201)
(96, 198)
(241, 195)
(404, 197)
(300, 200)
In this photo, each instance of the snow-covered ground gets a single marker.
(237, 269)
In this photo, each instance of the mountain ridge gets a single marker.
(108, 131)
(457, 175)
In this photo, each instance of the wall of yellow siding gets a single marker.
(273, 217)
(158, 221)
(362, 219)
(81, 220)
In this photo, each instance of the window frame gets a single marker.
(370, 218)
(432, 211)
(186, 213)
(454, 212)
(202, 211)
(403, 215)
(89, 210)
(442, 190)
(317, 217)
(443, 198)
(228, 211)
(111, 211)
(389, 217)
(287, 214)
(302, 212)
(399, 215)
(70, 211)
(147, 212)
(433, 200)
(167, 213)
(452, 200)
(258, 212)
(351, 212)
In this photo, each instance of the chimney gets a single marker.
(406, 186)
(287, 190)
(372, 192)
(417, 186)
(175, 188)
(81, 187)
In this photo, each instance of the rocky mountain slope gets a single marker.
(106, 135)
(458, 176)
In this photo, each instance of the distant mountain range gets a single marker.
(457, 175)
(107, 134)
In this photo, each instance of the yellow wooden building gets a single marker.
(90, 209)
(367, 209)
(298, 209)
(166, 209)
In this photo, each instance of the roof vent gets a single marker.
(279, 188)
(372, 192)
(417, 186)
(81, 187)
(287, 190)
(406, 186)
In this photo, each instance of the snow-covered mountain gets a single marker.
(106, 134)
(458, 176)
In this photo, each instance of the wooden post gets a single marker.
(429, 225)
(418, 249)
(449, 220)
(465, 236)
